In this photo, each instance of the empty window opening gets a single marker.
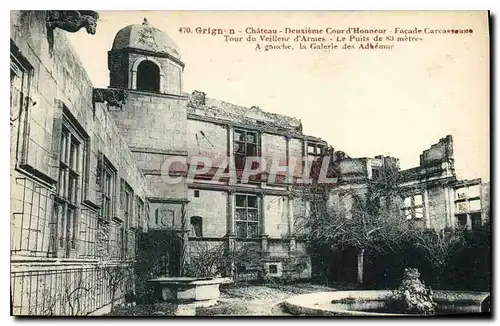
(148, 76)
(196, 226)
(273, 269)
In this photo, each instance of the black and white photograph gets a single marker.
(250, 163)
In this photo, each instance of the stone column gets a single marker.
(162, 83)
(132, 82)
(230, 151)
(446, 207)
(469, 222)
(307, 210)
(230, 213)
(305, 157)
(289, 171)
(231, 235)
(451, 195)
(290, 224)
(426, 209)
(263, 234)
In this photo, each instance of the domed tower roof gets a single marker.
(145, 37)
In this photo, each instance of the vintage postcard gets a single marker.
(241, 163)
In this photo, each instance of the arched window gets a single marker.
(148, 76)
(196, 226)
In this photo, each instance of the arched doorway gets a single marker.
(148, 76)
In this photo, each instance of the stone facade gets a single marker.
(62, 245)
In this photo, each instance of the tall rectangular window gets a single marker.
(140, 213)
(247, 216)
(127, 204)
(413, 207)
(20, 102)
(246, 144)
(72, 153)
(106, 181)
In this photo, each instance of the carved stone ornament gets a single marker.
(197, 99)
(73, 20)
(114, 97)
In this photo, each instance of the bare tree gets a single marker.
(366, 216)
(438, 247)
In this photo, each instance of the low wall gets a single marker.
(318, 304)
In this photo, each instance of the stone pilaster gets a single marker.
(446, 206)
(230, 212)
(230, 151)
(426, 209)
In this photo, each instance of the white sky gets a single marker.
(365, 103)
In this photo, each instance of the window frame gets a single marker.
(247, 221)
(240, 155)
(412, 207)
(107, 186)
(318, 149)
(127, 204)
(73, 151)
(463, 197)
(20, 117)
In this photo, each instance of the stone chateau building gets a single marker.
(88, 169)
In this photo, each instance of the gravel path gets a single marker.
(257, 300)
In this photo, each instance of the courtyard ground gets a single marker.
(236, 300)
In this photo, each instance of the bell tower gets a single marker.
(144, 58)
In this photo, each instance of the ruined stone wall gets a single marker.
(440, 152)
(485, 200)
(437, 207)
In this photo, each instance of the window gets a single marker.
(127, 204)
(475, 205)
(140, 213)
(117, 240)
(106, 181)
(461, 193)
(467, 199)
(413, 207)
(148, 76)
(20, 102)
(69, 185)
(196, 226)
(197, 193)
(314, 149)
(273, 269)
(246, 144)
(247, 216)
